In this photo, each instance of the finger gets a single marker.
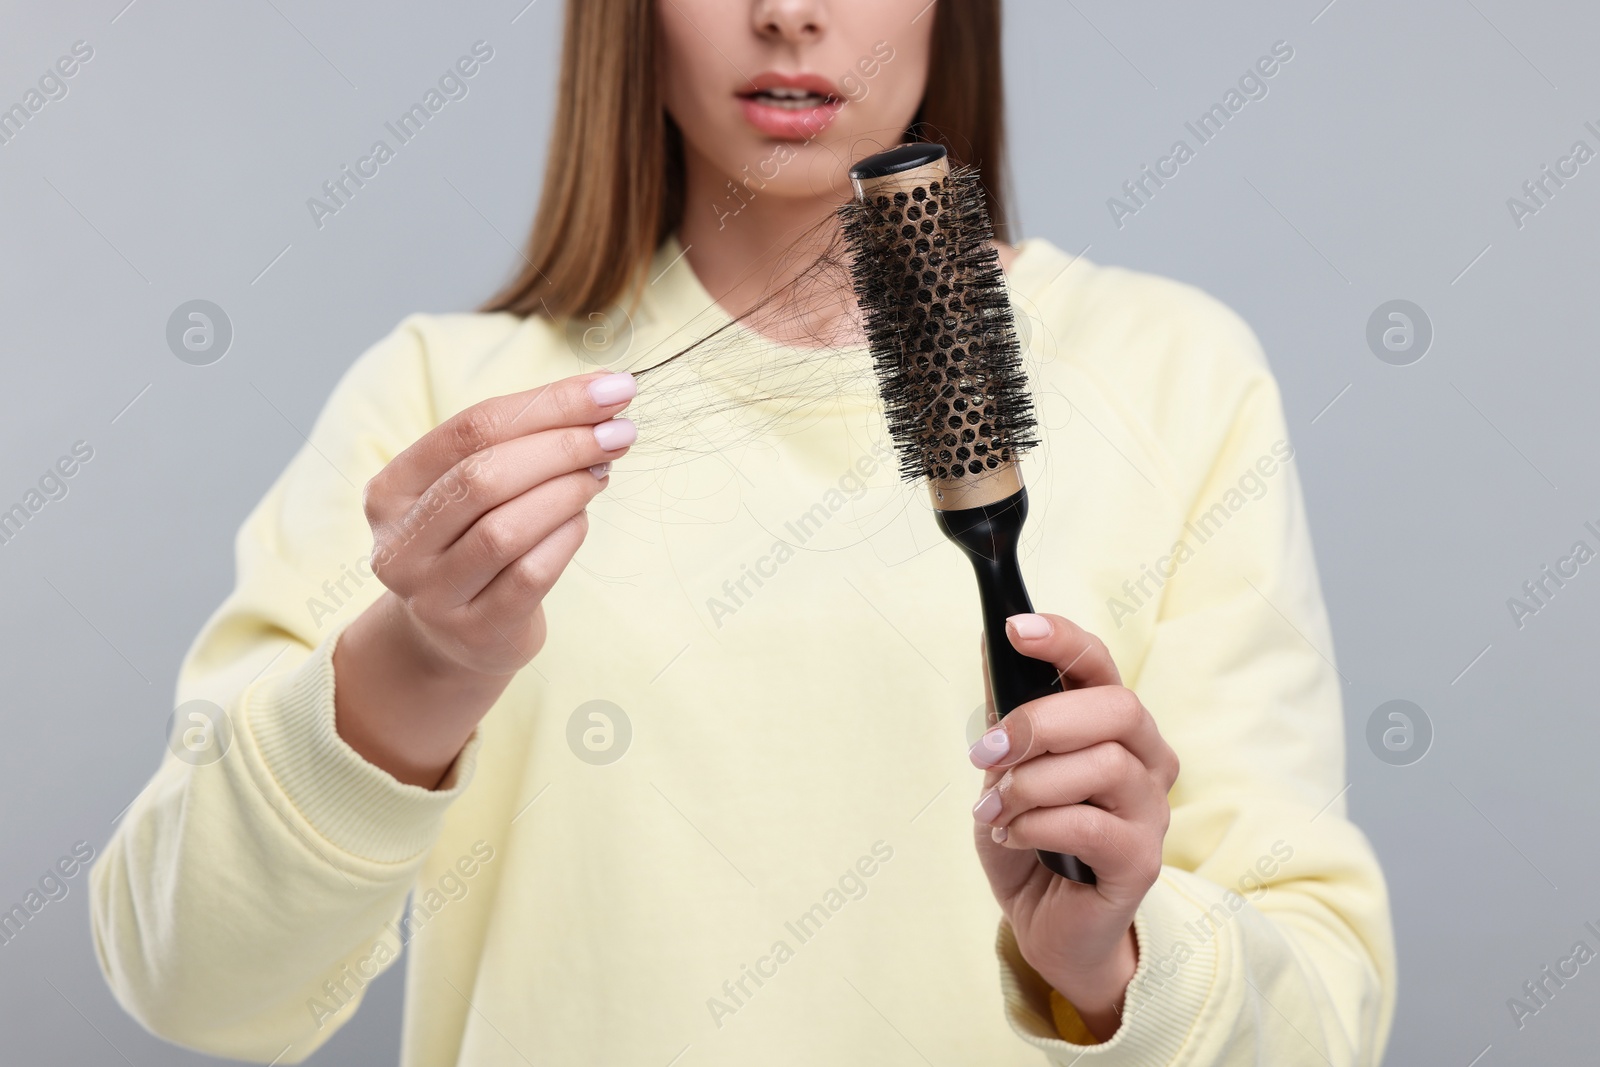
(1080, 656)
(486, 480)
(1106, 775)
(511, 530)
(586, 399)
(1068, 722)
(525, 582)
(1117, 850)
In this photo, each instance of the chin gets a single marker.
(817, 167)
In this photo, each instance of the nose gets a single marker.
(790, 21)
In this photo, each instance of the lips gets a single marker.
(790, 107)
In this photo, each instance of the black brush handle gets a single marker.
(989, 536)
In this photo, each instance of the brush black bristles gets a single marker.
(940, 328)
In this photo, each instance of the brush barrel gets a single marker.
(989, 534)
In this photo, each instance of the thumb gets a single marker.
(1081, 657)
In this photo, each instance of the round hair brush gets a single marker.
(949, 369)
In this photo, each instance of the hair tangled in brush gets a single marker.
(940, 328)
(859, 305)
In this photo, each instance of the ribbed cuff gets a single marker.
(355, 805)
(1169, 993)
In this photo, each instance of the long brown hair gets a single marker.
(614, 184)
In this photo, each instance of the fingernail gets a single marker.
(600, 470)
(1029, 625)
(613, 389)
(616, 433)
(999, 835)
(991, 748)
(988, 807)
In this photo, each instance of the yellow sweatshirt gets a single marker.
(724, 816)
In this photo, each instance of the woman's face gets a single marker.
(781, 96)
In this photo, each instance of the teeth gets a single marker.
(791, 99)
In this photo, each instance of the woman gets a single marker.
(692, 794)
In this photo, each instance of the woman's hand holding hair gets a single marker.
(1084, 772)
(472, 526)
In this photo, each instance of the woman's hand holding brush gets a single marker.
(472, 526)
(1083, 772)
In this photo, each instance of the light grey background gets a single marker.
(1378, 167)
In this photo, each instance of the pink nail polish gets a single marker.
(998, 835)
(991, 748)
(1029, 625)
(600, 470)
(987, 809)
(613, 389)
(616, 433)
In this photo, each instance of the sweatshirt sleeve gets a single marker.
(1266, 937)
(247, 894)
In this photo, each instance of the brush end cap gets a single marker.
(895, 160)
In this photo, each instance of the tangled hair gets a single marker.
(800, 346)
